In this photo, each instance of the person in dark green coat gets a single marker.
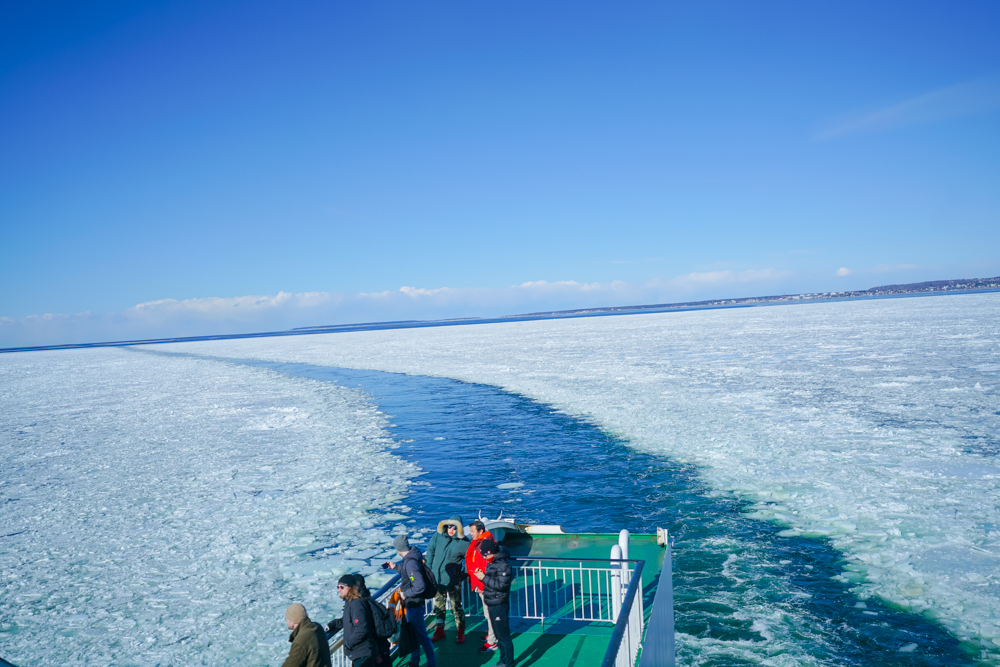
(309, 646)
(445, 557)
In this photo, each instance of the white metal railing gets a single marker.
(658, 643)
(626, 640)
(588, 590)
(559, 589)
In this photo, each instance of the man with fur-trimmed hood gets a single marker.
(445, 556)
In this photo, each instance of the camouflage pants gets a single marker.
(456, 606)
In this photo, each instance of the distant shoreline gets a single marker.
(926, 288)
(929, 288)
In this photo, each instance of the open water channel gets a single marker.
(485, 449)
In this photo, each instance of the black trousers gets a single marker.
(501, 628)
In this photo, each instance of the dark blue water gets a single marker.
(729, 571)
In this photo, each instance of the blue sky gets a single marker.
(165, 165)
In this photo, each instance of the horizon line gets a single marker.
(881, 292)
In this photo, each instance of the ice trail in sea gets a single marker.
(159, 510)
(873, 425)
(482, 447)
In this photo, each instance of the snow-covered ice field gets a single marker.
(873, 424)
(164, 509)
(158, 510)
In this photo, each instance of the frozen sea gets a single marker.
(831, 472)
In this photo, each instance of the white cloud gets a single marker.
(417, 292)
(729, 277)
(166, 318)
(964, 99)
(843, 271)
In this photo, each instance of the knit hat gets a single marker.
(401, 543)
(488, 546)
(296, 613)
(347, 580)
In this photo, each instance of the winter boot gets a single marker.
(438, 634)
(461, 636)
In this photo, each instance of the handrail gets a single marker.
(580, 589)
(621, 625)
(579, 560)
(658, 645)
(616, 637)
(387, 586)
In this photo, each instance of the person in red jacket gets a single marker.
(475, 562)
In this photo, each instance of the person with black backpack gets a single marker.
(360, 640)
(385, 621)
(417, 585)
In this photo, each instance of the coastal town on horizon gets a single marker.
(926, 288)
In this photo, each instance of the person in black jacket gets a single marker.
(496, 594)
(382, 644)
(360, 641)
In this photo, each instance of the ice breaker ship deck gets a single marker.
(577, 599)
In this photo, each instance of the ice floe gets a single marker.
(164, 510)
(858, 422)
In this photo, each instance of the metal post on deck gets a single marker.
(624, 540)
(615, 583)
(633, 602)
(658, 646)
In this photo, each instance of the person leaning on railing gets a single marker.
(360, 641)
(496, 594)
(378, 611)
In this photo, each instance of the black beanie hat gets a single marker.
(488, 546)
(347, 580)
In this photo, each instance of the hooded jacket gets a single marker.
(412, 583)
(475, 561)
(309, 646)
(446, 554)
(498, 578)
(359, 629)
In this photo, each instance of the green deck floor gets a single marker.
(530, 648)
